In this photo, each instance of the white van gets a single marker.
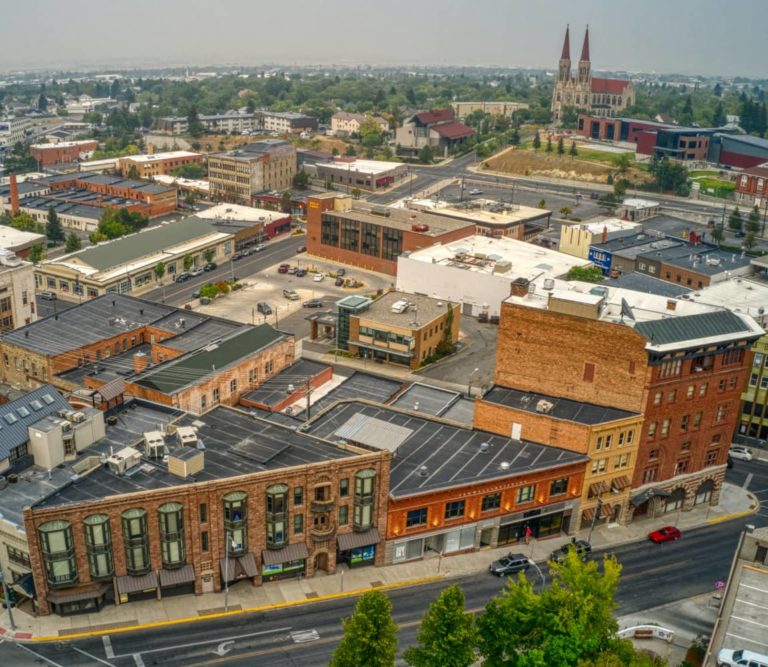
(741, 658)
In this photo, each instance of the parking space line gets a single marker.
(93, 657)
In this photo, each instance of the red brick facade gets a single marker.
(47, 155)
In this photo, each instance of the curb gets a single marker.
(228, 614)
(754, 507)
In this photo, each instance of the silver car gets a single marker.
(740, 453)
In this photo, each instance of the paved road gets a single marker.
(306, 635)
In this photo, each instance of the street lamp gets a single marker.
(469, 382)
(229, 542)
(8, 601)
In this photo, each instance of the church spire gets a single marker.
(566, 54)
(585, 47)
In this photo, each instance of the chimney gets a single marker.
(150, 148)
(671, 304)
(604, 237)
(139, 362)
(519, 287)
(14, 196)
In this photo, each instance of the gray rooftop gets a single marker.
(421, 311)
(692, 327)
(562, 408)
(705, 260)
(436, 402)
(450, 456)
(16, 416)
(274, 390)
(641, 282)
(235, 444)
(403, 219)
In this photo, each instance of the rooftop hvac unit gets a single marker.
(423, 471)
(186, 436)
(549, 284)
(504, 465)
(399, 306)
(123, 460)
(544, 406)
(77, 417)
(154, 444)
(420, 227)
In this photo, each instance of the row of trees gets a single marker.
(572, 151)
(117, 222)
(569, 623)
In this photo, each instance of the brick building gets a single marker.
(344, 231)
(255, 502)
(156, 164)
(62, 153)
(752, 186)
(17, 291)
(437, 129)
(682, 365)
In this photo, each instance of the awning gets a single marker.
(238, 567)
(640, 498)
(597, 489)
(135, 584)
(75, 595)
(588, 514)
(620, 483)
(111, 390)
(356, 540)
(25, 585)
(285, 555)
(606, 511)
(177, 577)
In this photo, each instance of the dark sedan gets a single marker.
(313, 303)
(509, 564)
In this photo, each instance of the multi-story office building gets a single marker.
(17, 291)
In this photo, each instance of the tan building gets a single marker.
(17, 292)
(576, 239)
(157, 164)
(506, 109)
(344, 124)
(127, 265)
(261, 166)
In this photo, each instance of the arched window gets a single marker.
(675, 501)
(704, 492)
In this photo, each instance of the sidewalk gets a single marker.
(734, 502)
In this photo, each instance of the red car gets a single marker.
(283, 268)
(666, 534)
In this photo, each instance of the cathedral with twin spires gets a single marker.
(584, 92)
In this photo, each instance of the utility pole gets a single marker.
(8, 602)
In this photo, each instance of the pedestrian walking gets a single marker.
(528, 532)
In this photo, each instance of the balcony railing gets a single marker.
(323, 505)
(323, 533)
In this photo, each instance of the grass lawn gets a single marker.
(704, 173)
(715, 186)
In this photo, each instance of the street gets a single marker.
(653, 574)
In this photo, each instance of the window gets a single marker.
(608, 441)
(665, 426)
(204, 541)
(630, 437)
(753, 379)
(277, 515)
(684, 423)
(298, 495)
(599, 443)
(491, 502)
(657, 398)
(365, 486)
(622, 437)
(17, 556)
(235, 527)
(621, 461)
(416, 518)
(350, 235)
(649, 475)
(268, 365)
(344, 488)
(454, 510)
(651, 430)
(215, 395)
(233, 386)
(686, 446)
(203, 401)
(343, 515)
(392, 244)
(721, 385)
(703, 389)
(670, 368)
(681, 467)
(298, 524)
(58, 553)
(733, 357)
(711, 457)
(525, 494)
(732, 383)
(98, 541)
(689, 392)
(757, 360)
(203, 513)
(598, 466)
(671, 396)
(136, 541)
(369, 244)
(558, 487)
(589, 372)
(329, 231)
(171, 519)
(721, 412)
(653, 455)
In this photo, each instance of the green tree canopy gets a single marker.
(589, 274)
(53, 228)
(560, 146)
(301, 179)
(427, 154)
(370, 133)
(73, 243)
(191, 170)
(159, 270)
(36, 253)
(447, 634)
(734, 220)
(26, 223)
(370, 634)
(753, 221)
(20, 160)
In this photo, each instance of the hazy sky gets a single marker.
(688, 36)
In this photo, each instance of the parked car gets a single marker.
(291, 294)
(741, 657)
(729, 462)
(283, 268)
(292, 271)
(47, 296)
(319, 277)
(509, 564)
(339, 282)
(211, 266)
(582, 547)
(740, 453)
(183, 277)
(259, 247)
(475, 191)
(236, 256)
(666, 534)
(313, 303)
(594, 195)
(264, 308)
(196, 272)
(341, 272)
(301, 248)
(300, 273)
(196, 294)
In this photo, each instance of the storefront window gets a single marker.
(171, 519)
(277, 515)
(235, 528)
(136, 541)
(58, 553)
(98, 539)
(365, 485)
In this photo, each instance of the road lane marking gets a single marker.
(38, 655)
(220, 641)
(302, 636)
(108, 651)
(660, 568)
(138, 660)
(747, 481)
(93, 657)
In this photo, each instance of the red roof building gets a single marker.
(436, 128)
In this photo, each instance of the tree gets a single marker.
(447, 635)
(370, 634)
(20, 159)
(301, 180)
(192, 170)
(36, 253)
(208, 255)
(717, 234)
(73, 243)
(356, 192)
(514, 137)
(536, 141)
(133, 172)
(623, 162)
(734, 220)
(53, 229)
(426, 154)
(549, 145)
(159, 271)
(196, 128)
(560, 146)
(568, 623)
(285, 202)
(42, 103)
(753, 221)
(573, 152)
(188, 261)
(26, 223)
(370, 133)
(589, 274)
(718, 116)
(565, 211)
(750, 241)
(542, 203)
(350, 152)
(620, 188)
(686, 116)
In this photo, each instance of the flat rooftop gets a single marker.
(225, 214)
(11, 238)
(63, 144)
(641, 282)
(157, 157)
(276, 389)
(447, 456)
(744, 295)
(702, 259)
(372, 167)
(437, 402)
(562, 408)
(608, 225)
(235, 443)
(501, 257)
(436, 225)
(484, 212)
(421, 310)
(638, 203)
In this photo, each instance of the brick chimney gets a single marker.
(139, 362)
(519, 287)
(14, 196)
(604, 236)
(150, 148)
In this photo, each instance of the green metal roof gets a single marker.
(193, 367)
(692, 327)
(129, 248)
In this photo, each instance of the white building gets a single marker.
(634, 208)
(478, 270)
(17, 291)
(344, 123)
(13, 130)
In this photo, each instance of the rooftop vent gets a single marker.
(504, 465)
(423, 471)
(544, 407)
(484, 447)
